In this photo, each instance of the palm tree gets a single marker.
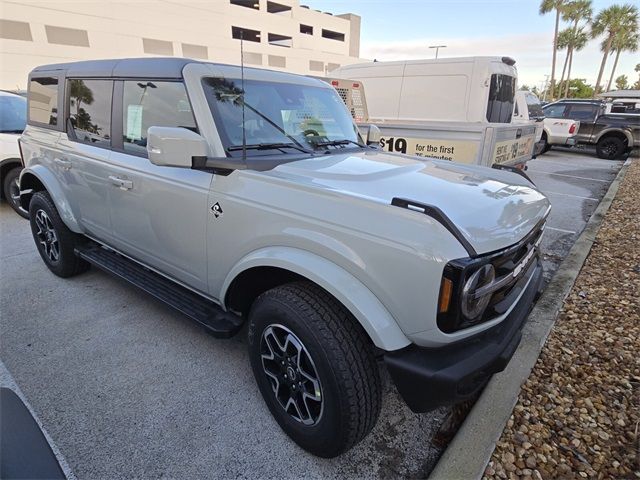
(575, 11)
(578, 40)
(613, 21)
(564, 39)
(627, 42)
(547, 6)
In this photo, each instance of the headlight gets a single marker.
(471, 305)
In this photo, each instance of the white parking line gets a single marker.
(570, 176)
(560, 230)
(574, 196)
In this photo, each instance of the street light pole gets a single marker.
(437, 47)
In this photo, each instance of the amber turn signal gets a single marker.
(446, 289)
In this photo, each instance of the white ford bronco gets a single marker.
(248, 196)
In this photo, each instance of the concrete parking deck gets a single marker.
(127, 387)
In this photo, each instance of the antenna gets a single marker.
(244, 133)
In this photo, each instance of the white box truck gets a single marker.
(458, 109)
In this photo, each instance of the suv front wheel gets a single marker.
(315, 368)
(55, 242)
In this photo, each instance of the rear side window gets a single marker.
(582, 112)
(555, 111)
(89, 107)
(43, 100)
(501, 95)
(153, 104)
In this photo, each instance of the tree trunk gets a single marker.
(555, 51)
(602, 65)
(564, 69)
(566, 90)
(613, 70)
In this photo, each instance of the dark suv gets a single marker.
(613, 135)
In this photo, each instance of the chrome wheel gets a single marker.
(47, 236)
(292, 374)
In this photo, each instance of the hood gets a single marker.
(492, 209)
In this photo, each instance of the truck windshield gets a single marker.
(13, 114)
(501, 95)
(279, 114)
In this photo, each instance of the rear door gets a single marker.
(158, 214)
(586, 114)
(83, 153)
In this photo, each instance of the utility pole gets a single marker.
(437, 47)
(546, 86)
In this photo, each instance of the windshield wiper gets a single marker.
(336, 143)
(267, 146)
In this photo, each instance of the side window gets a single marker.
(555, 111)
(582, 112)
(43, 100)
(153, 104)
(89, 108)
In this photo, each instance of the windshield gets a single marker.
(294, 117)
(13, 114)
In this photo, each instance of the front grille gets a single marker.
(504, 264)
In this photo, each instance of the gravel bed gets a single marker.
(578, 414)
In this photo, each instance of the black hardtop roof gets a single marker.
(156, 67)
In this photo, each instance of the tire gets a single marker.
(610, 148)
(547, 146)
(55, 242)
(11, 191)
(337, 365)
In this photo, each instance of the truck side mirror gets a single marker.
(174, 146)
(373, 135)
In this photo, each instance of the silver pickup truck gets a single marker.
(248, 196)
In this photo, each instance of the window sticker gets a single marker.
(134, 122)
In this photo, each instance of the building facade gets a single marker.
(280, 35)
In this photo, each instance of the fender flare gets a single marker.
(347, 289)
(615, 130)
(51, 185)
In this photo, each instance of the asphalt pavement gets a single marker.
(126, 387)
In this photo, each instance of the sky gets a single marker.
(404, 29)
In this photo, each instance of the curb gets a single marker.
(470, 450)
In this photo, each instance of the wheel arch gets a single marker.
(272, 266)
(615, 132)
(37, 179)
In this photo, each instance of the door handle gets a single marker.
(65, 164)
(122, 183)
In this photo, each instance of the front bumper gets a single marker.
(430, 378)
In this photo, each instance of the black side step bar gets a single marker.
(219, 323)
(439, 216)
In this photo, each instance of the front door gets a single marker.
(158, 214)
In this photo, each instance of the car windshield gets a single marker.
(13, 114)
(279, 117)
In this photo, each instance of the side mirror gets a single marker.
(373, 135)
(174, 146)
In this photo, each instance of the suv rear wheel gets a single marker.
(610, 148)
(55, 242)
(315, 368)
